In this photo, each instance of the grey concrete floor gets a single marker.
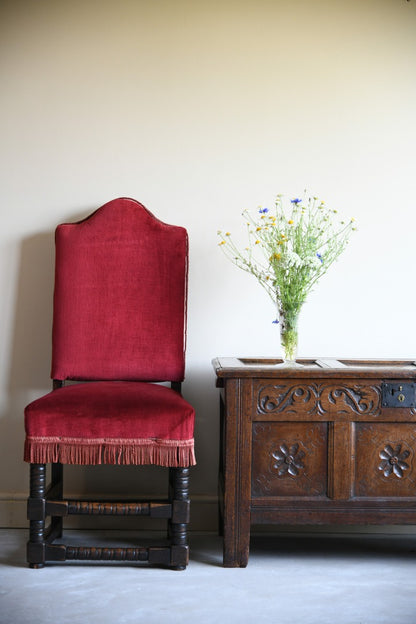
(318, 579)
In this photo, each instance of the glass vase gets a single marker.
(288, 322)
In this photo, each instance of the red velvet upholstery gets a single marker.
(112, 423)
(120, 296)
(119, 323)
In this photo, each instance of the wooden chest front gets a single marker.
(332, 440)
(327, 442)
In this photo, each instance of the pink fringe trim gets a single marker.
(168, 453)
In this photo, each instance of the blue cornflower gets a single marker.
(296, 201)
(263, 210)
(318, 255)
(275, 321)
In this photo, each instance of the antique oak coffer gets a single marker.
(330, 441)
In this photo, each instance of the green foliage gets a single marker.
(289, 249)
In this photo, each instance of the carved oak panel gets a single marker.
(385, 460)
(289, 459)
(319, 399)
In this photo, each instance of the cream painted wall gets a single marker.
(200, 109)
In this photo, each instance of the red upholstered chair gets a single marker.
(119, 328)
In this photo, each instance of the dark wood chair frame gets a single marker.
(48, 500)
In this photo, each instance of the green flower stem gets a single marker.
(288, 319)
(289, 341)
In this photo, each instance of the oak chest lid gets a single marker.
(261, 367)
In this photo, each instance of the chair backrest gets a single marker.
(120, 296)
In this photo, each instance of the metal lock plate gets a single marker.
(398, 394)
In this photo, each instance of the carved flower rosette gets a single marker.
(393, 461)
(288, 460)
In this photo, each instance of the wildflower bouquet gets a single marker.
(289, 249)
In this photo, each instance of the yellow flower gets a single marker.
(290, 221)
(228, 233)
(221, 243)
(257, 242)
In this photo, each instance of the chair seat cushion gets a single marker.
(115, 422)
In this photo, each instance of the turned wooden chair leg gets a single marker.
(178, 525)
(57, 485)
(36, 515)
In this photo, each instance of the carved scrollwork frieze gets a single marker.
(279, 398)
(319, 399)
(362, 400)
